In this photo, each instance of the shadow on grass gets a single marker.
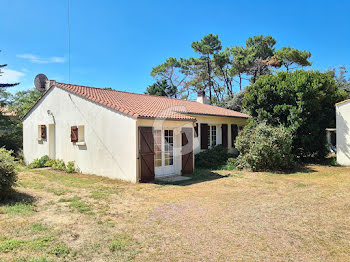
(198, 176)
(14, 197)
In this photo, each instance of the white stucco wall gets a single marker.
(343, 133)
(109, 136)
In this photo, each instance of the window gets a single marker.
(41, 132)
(163, 148)
(158, 147)
(81, 134)
(212, 136)
(168, 147)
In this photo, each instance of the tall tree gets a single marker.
(207, 47)
(262, 48)
(289, 56)
(162, 88)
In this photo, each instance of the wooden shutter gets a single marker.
(43, 131)
(234, 134)
(224, 135)
(74, 134)
(146, 154)
(187, 150)
(196, 130)
(204, 136)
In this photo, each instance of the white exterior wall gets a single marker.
(343, 133)
(109, 136)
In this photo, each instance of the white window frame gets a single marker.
(211, 135)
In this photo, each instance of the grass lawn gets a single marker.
(216, 216)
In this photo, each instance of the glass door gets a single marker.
(164, 152)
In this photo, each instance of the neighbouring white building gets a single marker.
(134, 137)
(343, 132)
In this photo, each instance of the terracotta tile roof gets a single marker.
(147, 106)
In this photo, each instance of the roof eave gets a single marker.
(166, 118)
(202, 114)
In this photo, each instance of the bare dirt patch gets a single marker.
(217, 216)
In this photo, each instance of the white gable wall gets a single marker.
(109, 136)
(343, 133)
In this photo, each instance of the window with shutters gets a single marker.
(41, 132)
(212, 136)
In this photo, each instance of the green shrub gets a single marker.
(35, 163)
(213, 158)
(59, 165)
(8, 174)
(50, 163)
(39, 162)
(71, 167)
(264, 147)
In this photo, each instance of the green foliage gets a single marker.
(120, 243)
(18, 105)
(59, 165)
(162, 88)
(50, 163)
(289, 56)
(213, 158)
(60, 251)
(22, 101)
(264, 147)
(235, 103)
(77, 204)
(8, 174)
(71, 167)
(39, 163)
(219, 71)
(302, 101)
(20, 209)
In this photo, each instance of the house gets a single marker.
(133, 137)
(343, 132)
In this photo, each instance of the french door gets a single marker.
(164, 152)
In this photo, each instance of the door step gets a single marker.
(173, 178)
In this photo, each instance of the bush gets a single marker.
(39, 163)
(8, 174)
(71, 167)
(50, 163)
(213, 158)
(264, 147)
(59, 165)
(302, 101)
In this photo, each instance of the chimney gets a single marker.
(201, 98)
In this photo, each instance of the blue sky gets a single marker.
(116, 43)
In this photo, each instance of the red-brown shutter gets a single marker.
(204, 136)
(234, 134)
(187, 150)
(146, 150)
(196, 130)
(43, 131)
(74, 134)
(224, 135)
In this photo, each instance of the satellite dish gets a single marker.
(40, 82)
